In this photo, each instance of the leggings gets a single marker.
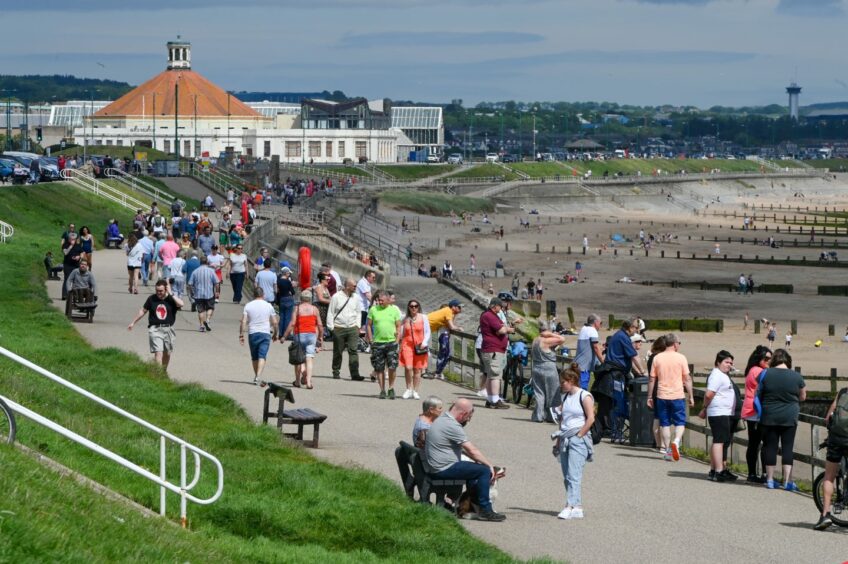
(786, 435)
(755, 451)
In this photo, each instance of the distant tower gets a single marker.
(179, 55)
(793, 90)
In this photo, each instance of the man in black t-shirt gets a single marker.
(161, 310)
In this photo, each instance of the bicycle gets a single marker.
(8, 428)
(839, 501)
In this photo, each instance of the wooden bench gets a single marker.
(300, 417)
(414, 476)
(80, 304)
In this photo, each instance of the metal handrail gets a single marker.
(138, 184)
(182, 489)
(6, 231)
(83, 180)
(211, 180)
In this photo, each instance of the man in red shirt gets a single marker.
(495, 335)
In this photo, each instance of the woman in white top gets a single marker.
(135, 253)
(177, 270)
(576, 416)
(719, 405)
(237, 262)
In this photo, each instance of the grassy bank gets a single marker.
(416, 171)
(429, 203)
(279, 503)
(115, 151)
(485, 171)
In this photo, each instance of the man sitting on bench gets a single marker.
(446, 441)
(52, 271)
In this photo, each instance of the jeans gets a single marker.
(444, 351)
(145, 268)
(178, 286)
(572, 460)
(286, 312)
(237, 280)
(477, 477)
(346, 338)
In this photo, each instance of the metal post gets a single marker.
(177, 119)
(154, 121)
(162, 475)
(183, 520)
(8, 93)
(194, 149)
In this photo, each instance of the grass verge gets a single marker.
(416, 171)
(430, 203)
(279, 502)
(486, 171)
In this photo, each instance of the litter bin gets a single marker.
(641, 416)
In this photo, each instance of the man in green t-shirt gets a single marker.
(382, 331)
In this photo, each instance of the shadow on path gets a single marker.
(536, 511)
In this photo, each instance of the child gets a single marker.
(788, 342)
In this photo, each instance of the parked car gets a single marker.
(433, 159)
(491, 157)
(7, 169)
(49, 169)
(455, 159)
(510, 159)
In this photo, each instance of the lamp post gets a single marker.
(502, 141)
(154, 121)
(84, 133)
(177, 118)
(8, 92)
(195, 151)
(227, 148)
(534, 133)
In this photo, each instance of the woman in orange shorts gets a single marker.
(414, 338)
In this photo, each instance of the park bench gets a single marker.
(80, 304)
(414, 476)
(300, 417)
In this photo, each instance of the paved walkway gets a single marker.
(638, 508)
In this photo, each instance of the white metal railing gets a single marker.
(6, 231)
(182, 489)
(87, 182)
(212, 180)
(139, 185)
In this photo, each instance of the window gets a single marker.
(361, 150)
(120, 143)
(167, 148)
(341, 149)
(314, 148)
(108, 142)
(292, 148)
(329, 149)
(187, 148)
(197, 148)
(267, 150)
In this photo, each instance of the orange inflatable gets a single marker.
(304, 268)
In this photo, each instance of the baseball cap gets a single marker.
(495, 302)
(454, 303)
(286, 269)
(637, 338)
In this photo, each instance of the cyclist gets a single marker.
(837, 449)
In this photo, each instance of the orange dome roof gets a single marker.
(212, 101)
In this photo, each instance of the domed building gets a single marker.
(179, 111)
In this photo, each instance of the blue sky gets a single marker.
(646, 52)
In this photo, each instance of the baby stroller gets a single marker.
(620, 413)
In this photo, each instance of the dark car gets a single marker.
(7, 169)
(509, 159)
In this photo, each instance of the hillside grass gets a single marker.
(487, 170)
(429, 203)
(835, 165)
(115, 151)
(538, 170)
(279, 502)
(416, 171)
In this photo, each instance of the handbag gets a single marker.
(420, 348)
(297, 354)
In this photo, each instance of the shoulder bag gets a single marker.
(420, 348)
(297, 354)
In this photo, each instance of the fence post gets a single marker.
(831, 330)
(756, 327)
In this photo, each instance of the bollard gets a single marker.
(600, 251)
(537, 247)
(553, 250)
(678, 254)
(570, 315)
(794, 325)
(569, 249)
(831, 330)
(832, 380)
(584, 250)
(662, 254)
(756, 327)
(631, 252)
(506, 247)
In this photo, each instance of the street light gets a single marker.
(194, 151)
(90, 121)
(177, 118)
(8, 92)
(534, 133)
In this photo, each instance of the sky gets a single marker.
(643, 52)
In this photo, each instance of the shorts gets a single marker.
(671, 412)
(835, 452)
(161, 338)
(259, 344)
(308, 341)
(493, 364)
(204, 304)
(384, 355)
(131, 269)
(720, 426)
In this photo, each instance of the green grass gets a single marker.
(416, 171)
(279, 502)
(648, 166)
(538, 170)
(115, 151)
(835, 165)
(429, 203)
(485, 171)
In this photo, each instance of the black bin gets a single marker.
(641, 416)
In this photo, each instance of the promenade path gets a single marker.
(638, 508)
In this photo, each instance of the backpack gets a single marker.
(838, 429)
(597, 428)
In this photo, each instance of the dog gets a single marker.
(466, 508)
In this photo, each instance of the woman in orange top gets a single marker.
(414, 332)
(309, 332)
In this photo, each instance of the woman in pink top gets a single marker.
(758, 361)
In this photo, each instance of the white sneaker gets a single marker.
(483, 393)
(415, 395)
(407, 394)
(577, 513)
(565, 513)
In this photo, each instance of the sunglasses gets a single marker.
(414, 305)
